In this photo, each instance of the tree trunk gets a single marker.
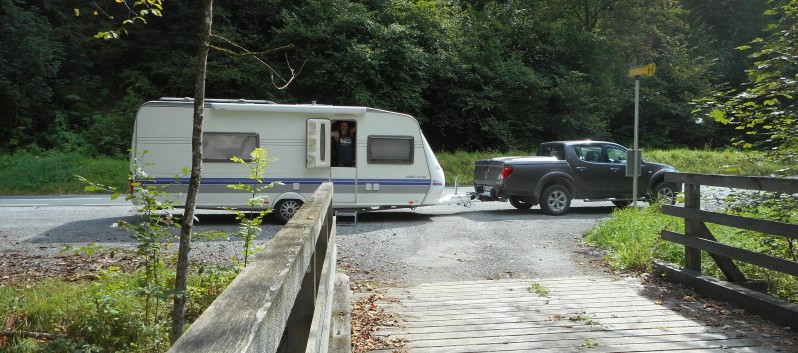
(178, 312)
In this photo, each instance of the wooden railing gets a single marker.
(698, 238)
(283, 300)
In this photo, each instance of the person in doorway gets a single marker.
(345, 144)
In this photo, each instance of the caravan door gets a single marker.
(344, 185)
(343, 173)
(322, 146)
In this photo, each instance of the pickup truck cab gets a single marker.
(564, 170)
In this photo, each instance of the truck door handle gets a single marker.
(615, 170)
(581, 169)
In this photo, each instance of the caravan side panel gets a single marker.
(385, 176)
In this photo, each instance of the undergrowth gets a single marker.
(105, 315)
(631, 239)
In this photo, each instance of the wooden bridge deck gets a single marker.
(576, 314)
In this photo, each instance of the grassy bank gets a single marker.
(460, 165)
(54, 173)
(631, 239)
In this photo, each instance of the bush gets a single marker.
(106, 315)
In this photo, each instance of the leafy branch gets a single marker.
(250, 223)
(137, 12)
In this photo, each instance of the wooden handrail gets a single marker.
(783, 185)
(275, 303)
(696, 219)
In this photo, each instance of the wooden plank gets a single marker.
(491, 299)
(692, 201)
(773, 309)
(529, 310)
(614, 320)
(341, 340)
(659, 320)
(693, 340)
(725, 264)
(773, 263)
(752, 224)
(783, 185)
(580, 343)
(743, 349)
(550, 328)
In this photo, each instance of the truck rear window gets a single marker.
(551, 151)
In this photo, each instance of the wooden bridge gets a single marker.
(599, 314)
(572, 314)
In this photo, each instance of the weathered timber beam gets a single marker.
(783, 185)
(752, 224)
(754, 258)
(770, 308)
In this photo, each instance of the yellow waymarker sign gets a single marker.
(643, 70)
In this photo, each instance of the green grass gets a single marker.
(459, 166)
(732, 162)
(538, 289)
(631, 239)
(55, 173)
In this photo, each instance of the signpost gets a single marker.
(634, 157)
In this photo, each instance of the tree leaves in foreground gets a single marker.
(765, 110)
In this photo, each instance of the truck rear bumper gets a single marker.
(490, 192)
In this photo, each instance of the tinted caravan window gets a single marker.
(221, 146)
(390, 150)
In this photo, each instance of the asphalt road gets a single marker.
(61, 200)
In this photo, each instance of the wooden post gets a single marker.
(692, 228)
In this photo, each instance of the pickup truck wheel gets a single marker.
(555, 200)
(664, 193)
(520, 203)
(285, 209)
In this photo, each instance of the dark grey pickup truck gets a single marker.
(564, 170)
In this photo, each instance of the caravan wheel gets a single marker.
(286, 209)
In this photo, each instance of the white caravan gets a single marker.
(393, 167)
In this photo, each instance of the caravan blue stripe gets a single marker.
(228, 181)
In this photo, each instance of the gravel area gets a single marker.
(489, 240)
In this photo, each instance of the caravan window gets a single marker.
(390, 150)
(221, 146)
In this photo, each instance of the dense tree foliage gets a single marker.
(476, 74)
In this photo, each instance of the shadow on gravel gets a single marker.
(101, 230)
(401, 216)
(512, 214)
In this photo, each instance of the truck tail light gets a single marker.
(506, 171)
